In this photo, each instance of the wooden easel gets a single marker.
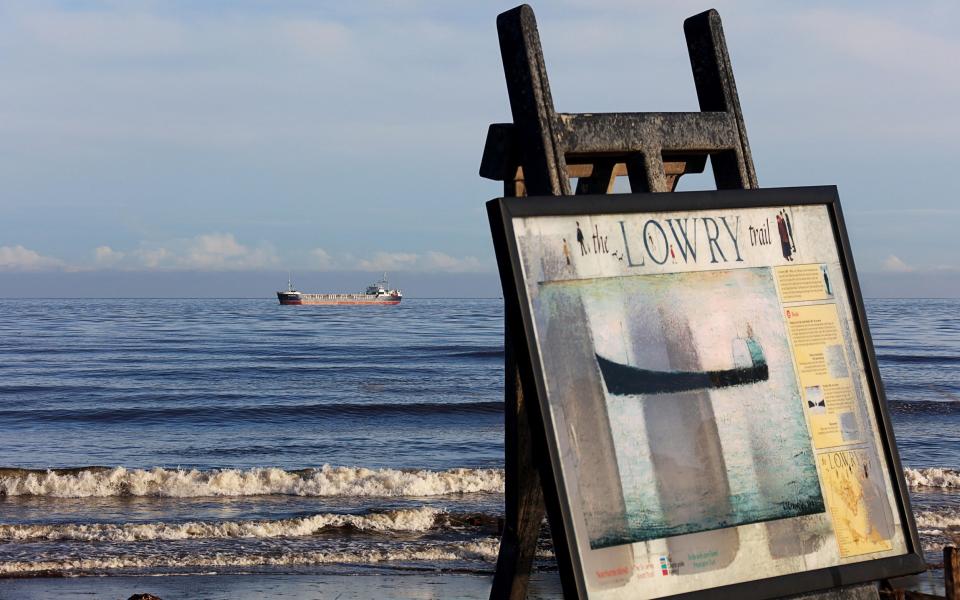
(537, 155)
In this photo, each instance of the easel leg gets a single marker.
(951, 573)
(523, 495)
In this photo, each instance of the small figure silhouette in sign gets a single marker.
(583, 247)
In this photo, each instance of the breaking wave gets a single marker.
(932, 477)
(484, 549)
(259, 481)
(937, 528)
(403, 520)
(935, 522)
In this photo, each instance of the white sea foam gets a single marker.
(414, 519)
(183, 483)
(934, 522)
(933, 546)
(932, 477)
(484, 549)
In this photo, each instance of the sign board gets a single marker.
(712, 409)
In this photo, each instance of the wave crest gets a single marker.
(932, 477)
(258, 481)
(934, 522)
(484, 550)
(414, 520)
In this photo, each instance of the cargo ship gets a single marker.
(378, 293)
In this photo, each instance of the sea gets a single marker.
(237, 436)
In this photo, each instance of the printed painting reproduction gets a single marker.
(707, 405)
(700, 393)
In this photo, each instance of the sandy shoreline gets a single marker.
(222, 587)
(543, 586)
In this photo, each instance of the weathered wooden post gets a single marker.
(951, 572)
(537, 155)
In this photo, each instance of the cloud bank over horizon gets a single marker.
(223, 252)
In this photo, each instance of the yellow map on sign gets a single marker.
(854, 499)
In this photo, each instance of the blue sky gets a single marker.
(255, 137)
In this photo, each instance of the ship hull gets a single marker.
(288, 299)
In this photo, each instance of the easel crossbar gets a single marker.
(594, 133)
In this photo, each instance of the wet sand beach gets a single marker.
(244, 587)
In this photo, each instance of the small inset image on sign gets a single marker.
(827, 286)
(815, 402)
(848, 427)
(836, 363)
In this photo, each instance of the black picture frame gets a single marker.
(502, 211)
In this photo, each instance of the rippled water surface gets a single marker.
(155, 436)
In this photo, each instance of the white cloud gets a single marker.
(224, 252)
(215, 251)
(18, 258)
(107, 256)
(152, 258)
(388, 261)
(896, 265)
(207, 252)
(444, 262)
(321, 259)
(429, 261)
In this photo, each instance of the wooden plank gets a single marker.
(501, 158)
(500, 153)
(600, 180)
(673, 165)
(646, 173)
(531, 103)
(717, 91)
(544, 173)
(863, 591)
(593, 133)
(951, 572)
(523, 493)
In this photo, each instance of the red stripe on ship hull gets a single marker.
(349, 302)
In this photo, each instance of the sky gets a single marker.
(196, 148)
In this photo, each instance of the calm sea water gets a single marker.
(200, 436)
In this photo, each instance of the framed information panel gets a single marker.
(712, 409)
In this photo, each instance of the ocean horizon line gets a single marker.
(406, 298)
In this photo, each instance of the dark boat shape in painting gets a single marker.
(623, 380)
